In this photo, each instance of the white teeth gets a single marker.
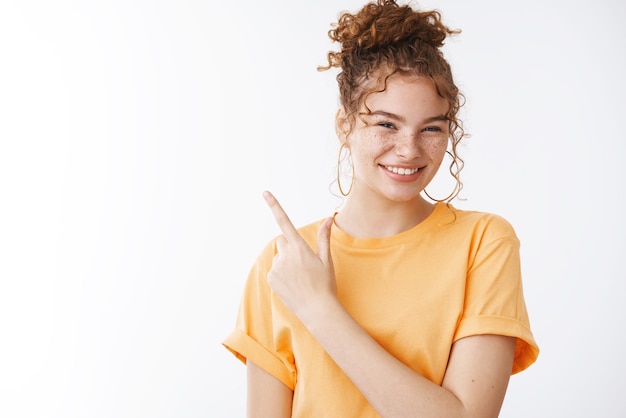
(402, 171)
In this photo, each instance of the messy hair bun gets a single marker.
(385, 24)
(384, 38)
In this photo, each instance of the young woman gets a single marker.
(395, 306)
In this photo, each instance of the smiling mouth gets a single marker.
(400, 170)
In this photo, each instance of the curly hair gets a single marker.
(383, 39)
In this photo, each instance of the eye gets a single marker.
(432, 129)
(388, 125)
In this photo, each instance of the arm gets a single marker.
(474, 384)
(478, 369)
(268, 397)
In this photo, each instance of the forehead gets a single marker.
(402, 93)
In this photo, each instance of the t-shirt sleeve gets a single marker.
(494, 298)
(256, 336)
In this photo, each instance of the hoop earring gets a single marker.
(447, 198)
(339, 158)
(457, 187)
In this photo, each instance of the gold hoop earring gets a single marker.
(446, 199)
(339, 158)
(455, 167)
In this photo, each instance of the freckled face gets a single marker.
(399, 145)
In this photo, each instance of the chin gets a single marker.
(404, 197)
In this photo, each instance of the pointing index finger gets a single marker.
(283, 221)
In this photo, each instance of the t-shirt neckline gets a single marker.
(434, 219)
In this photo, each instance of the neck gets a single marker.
(381, 218)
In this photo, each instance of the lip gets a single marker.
(402, 178)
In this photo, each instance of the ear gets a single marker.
(342, 126)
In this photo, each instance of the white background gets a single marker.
(136, 138)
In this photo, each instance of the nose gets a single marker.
(408, 146)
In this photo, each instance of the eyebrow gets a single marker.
(399, 118)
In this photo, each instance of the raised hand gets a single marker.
(303, 279)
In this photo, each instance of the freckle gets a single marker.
(473, 380)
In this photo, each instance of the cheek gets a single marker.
(437, 149)
(370, 146)
(378, 144)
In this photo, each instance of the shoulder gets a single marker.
(481, 224)
(307, 231)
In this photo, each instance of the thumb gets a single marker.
(323, 241)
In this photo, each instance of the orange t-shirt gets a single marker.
(455, 274)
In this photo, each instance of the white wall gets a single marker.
(136, 138)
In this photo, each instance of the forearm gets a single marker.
(392, 388)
